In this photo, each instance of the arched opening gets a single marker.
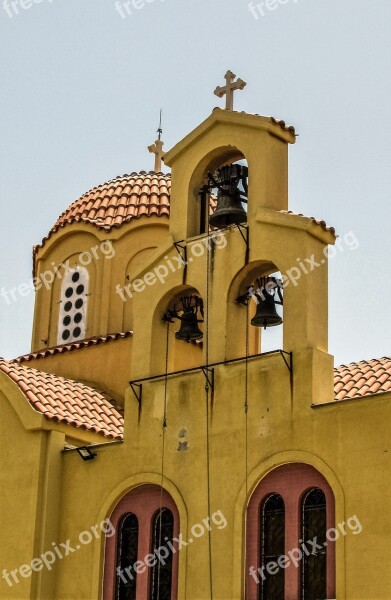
(178, 330)
(292, 504)
(314, 527)
(131, 569)
(218, 191)
(255, 305)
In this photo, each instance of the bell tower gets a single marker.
(270, 257)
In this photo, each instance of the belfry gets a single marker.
(164, 446)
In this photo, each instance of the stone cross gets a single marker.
(229, 88)
(157, 150)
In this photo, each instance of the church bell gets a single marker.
(229, 209)
(266, 314)
(189, 329)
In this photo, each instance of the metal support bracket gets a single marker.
(289, 362)
(137, 389)
(210, 377)
(181, 248)
(246, 238)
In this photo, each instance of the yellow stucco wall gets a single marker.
(289, 420)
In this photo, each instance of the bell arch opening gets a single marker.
(178, 331)
(218, 191)
(255, 304)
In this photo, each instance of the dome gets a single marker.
(120, 200)
(117, 202)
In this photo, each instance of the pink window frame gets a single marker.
(144, 502)
(291, 482)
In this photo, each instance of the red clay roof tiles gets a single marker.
(93, 341)
(66, 401)
(364, 378)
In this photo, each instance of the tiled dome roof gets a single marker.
(118, 201)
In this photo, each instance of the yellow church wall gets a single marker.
(291, 417)
(328, 437)
(111, 265)
(30, 493)
(105, 366)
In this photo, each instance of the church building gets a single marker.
(179, 430)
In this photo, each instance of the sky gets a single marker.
(82, 85)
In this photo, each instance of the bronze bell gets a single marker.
(229, 209)
(266, 314)
(189, 329)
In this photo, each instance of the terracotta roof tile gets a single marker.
(361, 379)
(66, 401)
(321, 224)
(93, 341)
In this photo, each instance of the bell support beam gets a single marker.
(208, 370)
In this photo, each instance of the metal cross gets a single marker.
(229, 88)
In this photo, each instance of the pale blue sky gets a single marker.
(82, 89)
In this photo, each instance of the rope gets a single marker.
(164, 427)
(207, 411)
(246, 442)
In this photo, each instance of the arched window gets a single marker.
(291, 505)
(126, 557)
(272, 540)
(314, 566)
(161, 573)
(73, 306)
(133, 570)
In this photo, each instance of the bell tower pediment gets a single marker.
(225, 137)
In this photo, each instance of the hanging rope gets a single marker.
(207, 410)
(246, 443)
(164, 427)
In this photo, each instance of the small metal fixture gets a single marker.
(86, 453)
(229, 209)
(187, 313)
(265, 295)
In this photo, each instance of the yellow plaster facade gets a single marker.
(50, 495)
